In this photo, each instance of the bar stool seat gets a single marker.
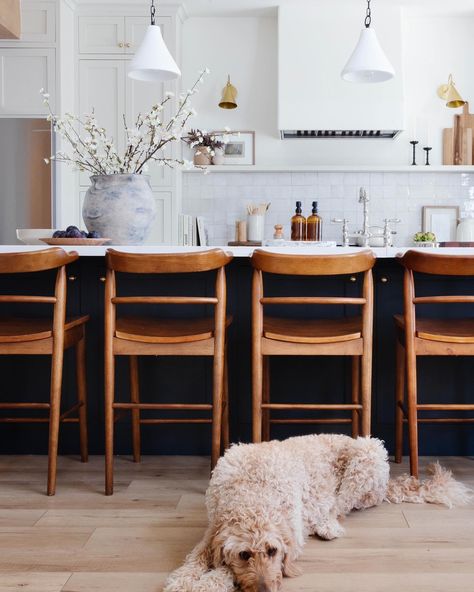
(166, 330)
(312, 330)
(444, 330)
(18, 330)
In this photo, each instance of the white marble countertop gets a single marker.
(380, 252)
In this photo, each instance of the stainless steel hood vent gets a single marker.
(339, 134)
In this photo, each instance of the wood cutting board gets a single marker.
(458, 142)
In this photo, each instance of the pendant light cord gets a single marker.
(368, 16)
(152, 12)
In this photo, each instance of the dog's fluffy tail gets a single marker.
(439, 488)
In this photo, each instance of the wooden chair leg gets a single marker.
(217, 388)
(135, 398)
(399, 401)
(257, 392)
(225, 439)
(412, 411)
(366, 390)
(82, 396)
(266, 398)
(355, 395)
(54, 414)
(109, 363)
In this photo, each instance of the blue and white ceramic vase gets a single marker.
(120, 207)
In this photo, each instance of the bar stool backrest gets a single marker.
(437, 264)
(313, 265)
(433, 264)
(168, 263)
(285, 264)
(38, 261)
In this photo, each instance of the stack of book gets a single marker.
(191, 231)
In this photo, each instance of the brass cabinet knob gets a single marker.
(353, 278)
(121, 44)
(102, 278)
(72, 278)
(384, 279)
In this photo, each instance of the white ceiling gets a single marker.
(268, 7)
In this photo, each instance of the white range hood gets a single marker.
(315, 40)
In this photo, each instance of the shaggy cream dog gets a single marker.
(265, 499)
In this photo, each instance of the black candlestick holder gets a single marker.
(414, 143)
(427, 150)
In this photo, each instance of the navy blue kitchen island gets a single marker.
(186, 379)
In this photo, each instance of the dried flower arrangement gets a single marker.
(146, 140)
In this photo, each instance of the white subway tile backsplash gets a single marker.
(222, 198)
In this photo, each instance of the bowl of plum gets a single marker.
(74, 236)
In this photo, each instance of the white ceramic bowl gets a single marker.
(31, 236)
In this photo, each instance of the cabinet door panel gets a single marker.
(101, 34)
(101, 88)
(38, 22)
(135, 29)
(23, 72)
(140, 96)
(161, 231)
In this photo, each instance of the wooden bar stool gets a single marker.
(163, 336)
(346, 336)
(47, 336)
(417, 336)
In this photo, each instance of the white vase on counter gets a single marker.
(465, 230)
(120, 207)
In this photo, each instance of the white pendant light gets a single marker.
(153, 61)
(368, 62)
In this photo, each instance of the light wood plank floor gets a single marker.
(82, 541)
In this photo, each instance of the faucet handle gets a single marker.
(387, 231)
(345, 229)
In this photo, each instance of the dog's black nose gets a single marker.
(262, 587)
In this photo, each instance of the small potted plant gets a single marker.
(208, 148)
(425, 239)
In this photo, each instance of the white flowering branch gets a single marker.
(93, 151)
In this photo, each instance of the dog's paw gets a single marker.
(330, 530)
(181, 580)
(215, 580)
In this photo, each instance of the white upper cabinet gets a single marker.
(135, 29)
(101, 34)
(38, 24)
(23, 72)
(112, 35)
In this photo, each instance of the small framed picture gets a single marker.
(239, 147)
(441, 221)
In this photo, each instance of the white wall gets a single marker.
(247, 49)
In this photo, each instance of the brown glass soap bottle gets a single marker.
(314, 225)
(298, 224)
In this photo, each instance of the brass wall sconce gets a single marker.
(449, 93)
(229, 96)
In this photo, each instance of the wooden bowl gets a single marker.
(76, 242)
